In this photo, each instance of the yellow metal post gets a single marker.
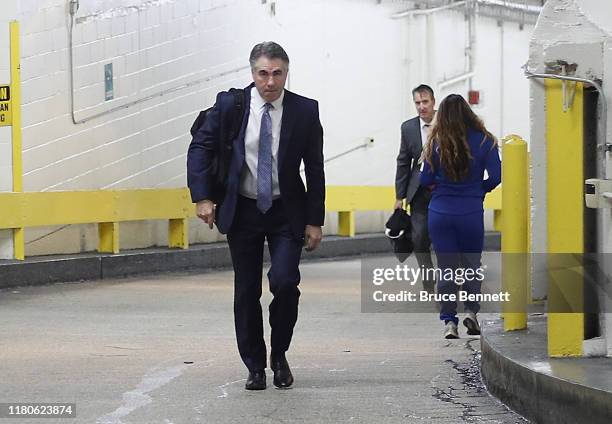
(565, 232)
(497, 220)
(108, 233)
(178, 233)
(346, 223)
(515, 183)
(493, 200)
(15, 108)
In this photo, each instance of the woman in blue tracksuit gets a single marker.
(458, 151)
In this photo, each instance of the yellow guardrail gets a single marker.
(346, 200)
(108, 208)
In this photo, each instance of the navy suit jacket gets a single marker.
(301, 139)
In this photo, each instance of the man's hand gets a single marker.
(312, 237)
(399, 204)
(205, 210)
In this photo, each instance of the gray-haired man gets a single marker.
(265, 199)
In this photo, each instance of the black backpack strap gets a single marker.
(231, 124)
(237, 113)
(199, 121)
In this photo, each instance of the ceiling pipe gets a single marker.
(420, 12)
(497, 9)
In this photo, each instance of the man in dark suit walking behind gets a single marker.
(264, 199)
(408, 174)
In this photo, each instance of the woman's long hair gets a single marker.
(449, 136)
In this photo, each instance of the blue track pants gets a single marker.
(457, 241)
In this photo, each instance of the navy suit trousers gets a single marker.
(246, 242)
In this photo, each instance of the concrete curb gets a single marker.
(515, 368)
(90, 266)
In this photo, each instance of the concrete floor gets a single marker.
(161, 349)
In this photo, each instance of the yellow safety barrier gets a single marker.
(108, 208)
(515, 177)
(105, 207)
(346, 200)
(565, 203)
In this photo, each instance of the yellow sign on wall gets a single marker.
(6, 116)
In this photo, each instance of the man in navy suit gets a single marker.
(265, 199)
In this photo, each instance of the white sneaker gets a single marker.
(471, 322)
(450, 331)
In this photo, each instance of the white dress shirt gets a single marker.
(425, 130)
(248, 176)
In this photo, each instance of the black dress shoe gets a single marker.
(256, 380)
(282, 373)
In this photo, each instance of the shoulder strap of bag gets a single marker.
(237, 113)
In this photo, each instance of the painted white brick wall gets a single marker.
(348, 54)
(154, 46)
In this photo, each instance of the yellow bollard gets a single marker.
(515, 218)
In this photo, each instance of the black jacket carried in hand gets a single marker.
(399, 231)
